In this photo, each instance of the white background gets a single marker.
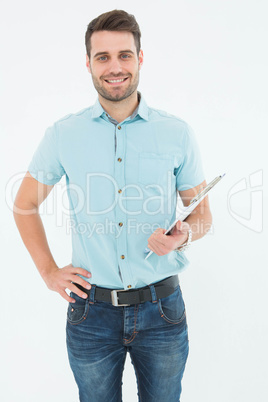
(206, 62)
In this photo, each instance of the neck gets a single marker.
(120, 110)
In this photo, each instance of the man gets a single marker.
(125, 164)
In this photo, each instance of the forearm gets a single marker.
(200, 222)
(34, 237)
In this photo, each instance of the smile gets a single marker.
(118, 81)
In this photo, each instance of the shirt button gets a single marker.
(120, 224)
(129, 286)
(119, 127)
(122, 257)
(119, 160)
(120, 191)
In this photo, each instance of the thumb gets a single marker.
(182, 227)
(179, 226)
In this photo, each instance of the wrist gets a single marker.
(187, 243)
(47, 271)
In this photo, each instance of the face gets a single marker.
(114, 64)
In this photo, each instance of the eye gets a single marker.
(127, 55)
(102, 57)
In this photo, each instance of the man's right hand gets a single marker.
(60, 279)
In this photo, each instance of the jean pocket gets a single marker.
(154, 168)
(172, 308)
(78, 311)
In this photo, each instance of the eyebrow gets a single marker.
(121, 51)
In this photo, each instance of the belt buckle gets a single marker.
(114, 297)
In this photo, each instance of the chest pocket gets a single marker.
(155, 168)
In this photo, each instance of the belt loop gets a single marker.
(153, 293)
(92, 294)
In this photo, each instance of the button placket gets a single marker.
(120, 215)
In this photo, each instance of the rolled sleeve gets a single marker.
(190, 173)
(45, 165)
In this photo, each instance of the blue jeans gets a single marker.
(155, 334)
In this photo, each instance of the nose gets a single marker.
(115, 66)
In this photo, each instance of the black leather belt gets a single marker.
(122, 297)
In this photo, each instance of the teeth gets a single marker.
(116, 80)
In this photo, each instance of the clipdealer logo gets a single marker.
(249, 210)
(99, 195)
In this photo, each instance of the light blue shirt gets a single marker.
(122, 181)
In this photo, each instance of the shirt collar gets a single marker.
(141, 110)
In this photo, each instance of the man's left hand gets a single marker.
(162, 244)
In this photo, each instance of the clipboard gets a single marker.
(187, 210)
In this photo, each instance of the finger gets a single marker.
(80, 281)
(176, 228)
(66, 296)
(159, 231)
(162, 245)
(159, 241)
(80, 271)
(185, 227)
(179, 225)
(77, 291)
(156, 247)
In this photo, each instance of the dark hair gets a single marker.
(116, 20)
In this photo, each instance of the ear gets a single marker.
(88, 64)
(140, 59)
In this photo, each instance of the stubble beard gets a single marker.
(117, 97)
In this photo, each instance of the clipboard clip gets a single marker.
(206, 189)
